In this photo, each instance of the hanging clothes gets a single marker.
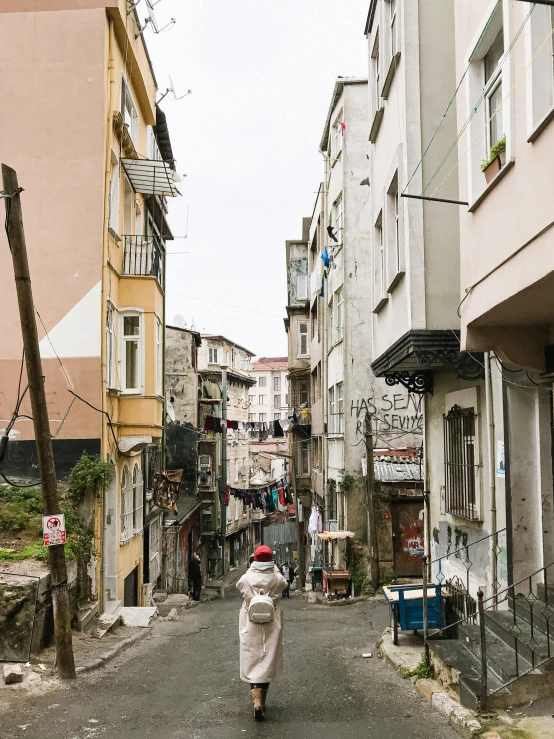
(277, 429)
(313, 524)
(281, 494)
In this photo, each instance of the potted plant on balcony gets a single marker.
(496, 160)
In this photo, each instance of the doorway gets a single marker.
(408, 536)
(130, 589)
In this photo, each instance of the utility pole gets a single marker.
(372, 543)
(223, 460)
(35, 379)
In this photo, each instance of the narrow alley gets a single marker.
(162, 687)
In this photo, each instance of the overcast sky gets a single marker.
(262, 73)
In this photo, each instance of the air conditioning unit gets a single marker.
(204, 471)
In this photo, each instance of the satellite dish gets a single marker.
(150, 5)
(179, 321)
(173, 91)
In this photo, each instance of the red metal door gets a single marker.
(408, 538)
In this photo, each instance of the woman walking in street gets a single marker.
(261, 626)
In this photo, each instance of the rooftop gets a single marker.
(264, 363)
(225, 340)
(337, 92)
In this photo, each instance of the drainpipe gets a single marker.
(324, 356)
(492, 471)
(223, 462)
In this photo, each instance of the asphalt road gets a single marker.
(183, 682)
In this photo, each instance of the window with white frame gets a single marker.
(305, 458)
(129, 111)
(340, 407)
(159, 357)
(302, 338)
(262, 399)
(238, 508)
(302, 287)
(126, 505)
(137, 499)
(263, 417)
(392, 27)
(252, 399)
(153, 150)
(380, 263)
(128, 206)
(337, 219)
(332, 411)
(336, 146)
(277, 383)
(262, 382)
(395, 257)
(276, 416)
(276, 401)
(376, 75)
(236, 470)
(213, 355)
(113, 211)
(492, 75)
(111, 355)
(252, 417)
(339, 314)
(541, 52)
(131, 334)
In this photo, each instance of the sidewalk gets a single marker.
(531, 721)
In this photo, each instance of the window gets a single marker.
(113, 217)
(305, 458)
(337, 218)
(340, 407)
(110, 347)
(337, 136)
(302, 287)
(276, 401)
(493, 91)
(263, 417)
(252, 417)
(276, 416)
(303, 339)
(129, 112)
(262, 399)
(153, 151)
(460, 462)
(262, 382)
(126, 505)
(128, 206)
(159, 357)
(131, 353)
(277, 383)
(236, 470)
(380, 264)
(137, 499)
(238, 508)
(376, 71)
(392, 15)
(252, 399)
(332, 424)
(338, 313)
(542, 66)
(213, 355)
(394, 255)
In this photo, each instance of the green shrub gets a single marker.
(421, 671)
(90, 473)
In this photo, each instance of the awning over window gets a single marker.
(151, 177)
(330, 535)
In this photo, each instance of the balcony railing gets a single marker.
(144, 256)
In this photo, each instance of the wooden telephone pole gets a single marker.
(35, 379)
(372, 543)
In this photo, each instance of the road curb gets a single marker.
(461, 719)
(112, 653)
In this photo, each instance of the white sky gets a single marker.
(262, 74)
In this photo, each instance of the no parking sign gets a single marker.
(53, 530)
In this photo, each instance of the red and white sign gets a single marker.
(53, 530)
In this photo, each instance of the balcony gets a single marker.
(144, 256)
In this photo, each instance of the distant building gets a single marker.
(269, 397)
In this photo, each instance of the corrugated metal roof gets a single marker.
(397, 469)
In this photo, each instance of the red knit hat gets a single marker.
(263, 554)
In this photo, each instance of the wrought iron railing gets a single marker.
(517, 621)
(144, 256)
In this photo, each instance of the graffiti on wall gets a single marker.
(413, 541)
(390, 412)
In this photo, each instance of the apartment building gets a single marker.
(237, 524)
(268, 400)
(97, 256)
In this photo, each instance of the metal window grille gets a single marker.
(144, 256)
(459, 462)
(299, 390)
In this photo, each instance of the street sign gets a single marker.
(53, 530)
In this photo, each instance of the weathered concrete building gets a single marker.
(269, 397)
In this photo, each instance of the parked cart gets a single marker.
(406, 606)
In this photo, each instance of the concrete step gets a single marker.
(106, 622)
(455, 656)
(85, 614)
(517, 633)
(111, 606)
(501, 657)
(539, 612)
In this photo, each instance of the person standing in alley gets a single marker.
(288, 573)
(261, 627)
(195, 576)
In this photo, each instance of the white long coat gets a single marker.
(261, 645)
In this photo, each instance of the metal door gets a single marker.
(130, 589)
(408, 538)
